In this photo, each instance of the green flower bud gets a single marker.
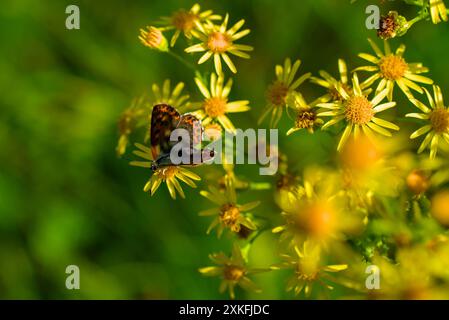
(392, 25)
(154, 39)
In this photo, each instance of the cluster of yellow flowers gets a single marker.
(350, 103)
(378, 204)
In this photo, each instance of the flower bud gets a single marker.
(440, 207)
(154, 39)
(417, 182)
(392, 25)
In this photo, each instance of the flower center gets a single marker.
(317, 219)
(229, 216)
(307, 268)
(215, 106)
(393, 67)
(219, 42)
(277, 93)
(184, 20)
(305, 119)
(321, 220)
(233, 273)
(439, 118)
(359, 110)
(166, 173)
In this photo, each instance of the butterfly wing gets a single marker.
(193, 125)
(164, 119)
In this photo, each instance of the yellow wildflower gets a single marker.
(229, 214)
(183, 21)
(279, 91)
(216, 102)
(306, 115)
(218, 41)
(358, 112)
(233, 271)
(168, 174)
(153, 38)
(393, 69)
(436, 117)
(308, 269)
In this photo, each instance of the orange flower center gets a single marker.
(184, 20)
(318, 219)
(393, 67)
(219, 42)
(233, 273)
(166, 173)
(215, 106)
(439, 118)
(229, 216)
(321, 220)
(305, 119)
(359, 110)
(277, 93)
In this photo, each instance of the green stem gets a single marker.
(422, 16)
(257, 235)
(182, 60)
(259, 186)
(247, 247)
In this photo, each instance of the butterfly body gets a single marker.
(164, 120)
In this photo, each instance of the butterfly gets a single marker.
(164, 120)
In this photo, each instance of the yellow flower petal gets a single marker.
(420, 132)
(344, 137)
(205, 57)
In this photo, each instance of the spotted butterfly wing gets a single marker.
(164, 119)
(193, 125)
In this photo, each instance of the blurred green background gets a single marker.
(65, 198)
